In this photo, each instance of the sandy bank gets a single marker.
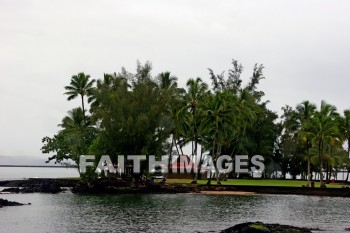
(227, 192)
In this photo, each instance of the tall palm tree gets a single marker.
(345, 131)
(166, 81)
(80, 85)
(196, 90)
(345, 128)
(219, 123)
(323, 130)
(305, 111)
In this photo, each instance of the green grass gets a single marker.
(255, 182)
(258, 227)
(69, 178)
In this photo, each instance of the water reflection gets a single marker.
(168, 212)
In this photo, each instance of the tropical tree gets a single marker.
(304, 113)
(220, 124)
(323, 131)
(166, 81)
(131, 112)
(80, 85)
(195, 94)
(344, 125)
(73, 140)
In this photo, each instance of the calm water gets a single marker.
(67, 212)
(7, 173)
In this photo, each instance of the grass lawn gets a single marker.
(69, 178)
(257, 182)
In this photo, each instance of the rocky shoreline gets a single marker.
(35, 185)
(259, 227)
(4, 202)
(122, 187)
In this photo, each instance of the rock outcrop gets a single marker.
(259, 227)
(4, 202)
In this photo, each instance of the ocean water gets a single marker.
(10, 173)
(67, 212)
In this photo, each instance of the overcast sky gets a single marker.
(304, 46)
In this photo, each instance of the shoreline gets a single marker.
(51, 185)
(225, 193)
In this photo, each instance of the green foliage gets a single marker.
(72, 140)
(136, 113)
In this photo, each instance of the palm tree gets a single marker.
(74, 120)
(196, 90)
(80, 85)
(219, 123)
(305, 112)
(166, 81)
(171, 97)
(345, 131)
(76, 134)
(323, 130)
(345, 128)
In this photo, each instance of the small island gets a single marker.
(259, 227)
(4, 202)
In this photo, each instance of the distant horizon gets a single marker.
(25, 160)
(53, 166)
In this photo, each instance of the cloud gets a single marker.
(303, 45)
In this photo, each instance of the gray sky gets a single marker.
(304, 46)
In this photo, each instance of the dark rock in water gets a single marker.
(120, 187)
(4, 202)
(11, 190)
(35, 189)
(259, 227)
(43, 187)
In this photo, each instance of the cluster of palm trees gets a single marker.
(318, 136)
(135, 113)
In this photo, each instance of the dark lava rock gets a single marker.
(259, 227)
(4, 202)
(11, 190)
(44, 187)
(115, 187)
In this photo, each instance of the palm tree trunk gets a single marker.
(347, 175)
(177, 149)
(171, 154)
(320, 149)
(82, 104)
(181, 150)
(216, 167)
(195, 145)
(192, 147)
(308, 172)
(213, 154)
(198, 168)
